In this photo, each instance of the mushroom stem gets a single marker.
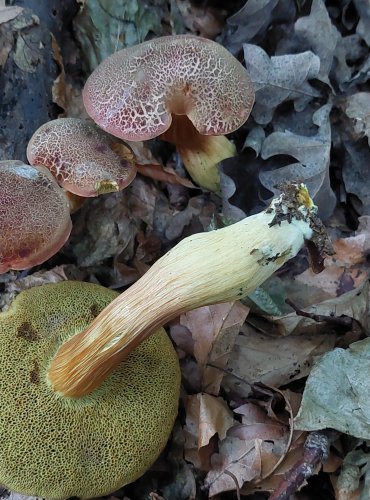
(207, 268)
(200, 153)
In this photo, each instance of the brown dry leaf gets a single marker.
(354, 304)
(203, 21)
(347, 269)
(196, 217)
(147, 165)
(214, 330)
(164, 174)
(271, 359)
(266, 437)
(205, 416)
(8, 13)
(256, 424)
(268, 459)
(238, 458)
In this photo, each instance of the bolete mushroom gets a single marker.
(80, 156)
(185, 89)
(34, 216)
(56, 447)
(207, 268)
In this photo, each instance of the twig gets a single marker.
(228, 473)
(344, 321)
(315, 451)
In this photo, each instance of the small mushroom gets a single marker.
(34, 216)
(56, 447)
(185, 89)
(80, 156)
(207, 268)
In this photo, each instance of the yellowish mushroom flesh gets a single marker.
(56, 447)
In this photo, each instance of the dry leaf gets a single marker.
(205, 416)
(271, 359)
(347, 269)
(357, 108)
(210, 415)
(280, 78)
(313, 155)
(214, 330)
(163, 174)
(13, 288)
(203, 21)
(8, 13)
(269, 459)
(317, 32)
(238, 458)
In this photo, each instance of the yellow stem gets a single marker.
(207, 268)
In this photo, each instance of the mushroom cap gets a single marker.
(56, 447)
(34, 216)
(132, 93)
(80, 157)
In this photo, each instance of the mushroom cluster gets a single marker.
(184, 89)
(67, 153)
(92, 372)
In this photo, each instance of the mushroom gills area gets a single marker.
(201, 154)
(56, 447)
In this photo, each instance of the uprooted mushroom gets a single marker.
(57, 447)
(87, 409)
(207, 268)
(187, 90)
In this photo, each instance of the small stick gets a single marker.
(315, 451)
(345, 321)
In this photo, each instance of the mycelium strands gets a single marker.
(206, 268)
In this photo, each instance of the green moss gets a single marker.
(56, 447)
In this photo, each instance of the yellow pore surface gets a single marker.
(56, 447)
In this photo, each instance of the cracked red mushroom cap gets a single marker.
(80, 157)
(34, 216)
(134, 92)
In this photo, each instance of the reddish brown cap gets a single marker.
(80, 157)
(34, 216)
(133, 93)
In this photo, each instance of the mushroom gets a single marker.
(185, 89)
(80, 156)
(207, 268)
(34, 216)
(56, 447)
